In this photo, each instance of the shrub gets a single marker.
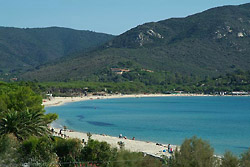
(68, 150)
(229, 160)
(245, 159)
(99, 153)
(193, 152)
(38, 152)
(8, 151)
(134, 159)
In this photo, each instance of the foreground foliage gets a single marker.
(229, 160)
(194, 152)
(24, 140)
(54, 151)
(245, 159)
(9, 155)
(23, 124)
(38, 152)
(21, 112)
(134, 159)
(67, 151)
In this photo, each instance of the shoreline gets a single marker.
(57, 101)
(147, 147)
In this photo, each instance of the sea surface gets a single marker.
(223, 121)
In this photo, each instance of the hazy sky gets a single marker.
(108, 16)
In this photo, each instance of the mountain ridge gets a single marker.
(31, 47)
(210, 43)
(179, 22)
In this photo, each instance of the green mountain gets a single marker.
(211, 43)
(22, 49)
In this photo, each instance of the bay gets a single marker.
(223, 121)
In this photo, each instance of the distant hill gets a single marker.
(22, 49)
(210, 43)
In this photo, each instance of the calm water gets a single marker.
(223, 121)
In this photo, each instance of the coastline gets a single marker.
(150, 148)
(57, 101)
(147, 147)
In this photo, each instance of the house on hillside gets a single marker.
(147, 70)
(13, 79)
(119, 71)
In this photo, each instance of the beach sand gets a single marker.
(150, 148)
(56, 101)
(147, 147)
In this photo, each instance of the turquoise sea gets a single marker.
(223, 121)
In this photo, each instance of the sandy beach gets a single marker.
(151, 148)
(56, 101)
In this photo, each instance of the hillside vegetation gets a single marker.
(24, 49)
(211, 43)
(147, 83)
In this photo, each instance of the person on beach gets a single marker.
(170, 149)
(169, 146)
(120, 135)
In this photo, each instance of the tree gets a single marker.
(68, 150)
(245, 159)
(22, 98)
(23, 124)
(22, 113)
(9, 151)
(229, 160)
(100, 153)
(134, 159)
(193, 152)
(38, 152)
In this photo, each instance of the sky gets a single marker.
(107, 16)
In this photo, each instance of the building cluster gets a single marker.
(233, 93)
(147, 70)
(119, 71)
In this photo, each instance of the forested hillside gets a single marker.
(22, 49)
(211, 43)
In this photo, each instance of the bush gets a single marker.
(193, 152)
(229, 160)
(38, 152)
(8, 151)
(68, 151)
(134, 159)
(99, 153)
(245, 159)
